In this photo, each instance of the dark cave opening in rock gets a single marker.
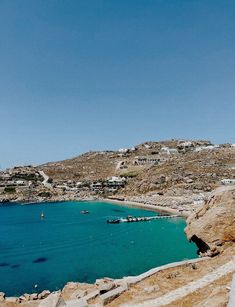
(202, 246)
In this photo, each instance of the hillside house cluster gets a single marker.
(183, 147)
(158, 154)
(19, 178)
(111, 184)
(71, 186)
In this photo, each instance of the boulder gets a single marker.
(2, 296)
(77, 303)
(11, 299)
(33, 297)
(102, 281)
(72, 285)
(53, 300)
(22, 298)
(78, 294)
(26, 296)
(73, 291)
(151, 289)
(105, 287)
(189, 180)
(153, 186)
(111, 295)
(43, 294)
(92, 295)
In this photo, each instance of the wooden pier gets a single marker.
(141, 219)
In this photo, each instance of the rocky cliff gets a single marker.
(212, 227)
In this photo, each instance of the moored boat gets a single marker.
(116, 221)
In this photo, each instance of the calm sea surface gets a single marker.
(69, 246)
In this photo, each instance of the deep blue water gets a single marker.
(69, 246)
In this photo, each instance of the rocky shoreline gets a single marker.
(82, 291)
(129, 203)
(217, 215)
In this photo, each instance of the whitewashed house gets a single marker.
(228, 181)
(21, 183)
(123, 150)
(146, 160)
(116, 181)
(205, 148)
(168, 150)
(97, 186)
(185, 146)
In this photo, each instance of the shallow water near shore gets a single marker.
(69, 246)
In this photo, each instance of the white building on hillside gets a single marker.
(123, 150)
(204, 148)
(146, 160)
(228, 181)
(116, 180)
(168, 150)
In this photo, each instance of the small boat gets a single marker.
(84, 212)
(117, 221)
(42, 215)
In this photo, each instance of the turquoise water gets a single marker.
(69, 246)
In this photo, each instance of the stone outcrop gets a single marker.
(105, 284)
(2, 296)
(212, 227)
(76, 290)
(53, 300)
(111, 295)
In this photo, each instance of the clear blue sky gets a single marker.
(83, 75)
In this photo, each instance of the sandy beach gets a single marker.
(146, 206)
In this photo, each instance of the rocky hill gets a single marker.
(192, 171)
(167, 166)
(170, 168)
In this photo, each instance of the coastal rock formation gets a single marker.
(2, 296)
(53, 300)
(212, 227)
(76, 290)
(104, 285)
